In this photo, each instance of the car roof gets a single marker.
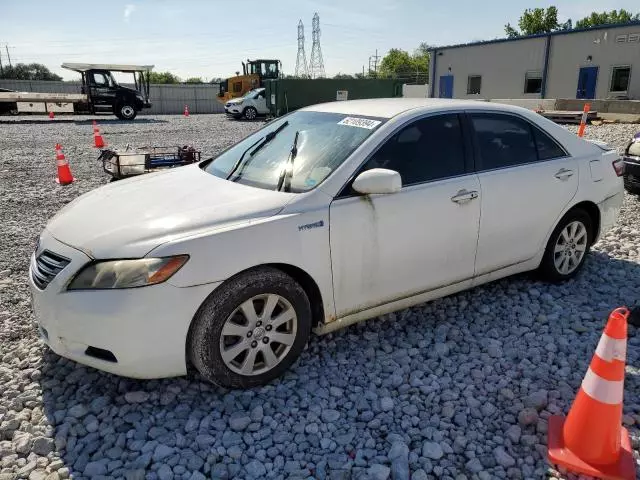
(390, 107)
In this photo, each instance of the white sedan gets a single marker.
(325, 217)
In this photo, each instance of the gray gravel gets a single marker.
(459, 388)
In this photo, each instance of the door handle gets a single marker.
(464, 196)
(563, 174)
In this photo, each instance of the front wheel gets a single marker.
(567, 247)
(126, 111)
(251, 329)
(250, 113)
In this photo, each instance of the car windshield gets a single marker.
(324, 141)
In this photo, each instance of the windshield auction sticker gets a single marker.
(367, 123)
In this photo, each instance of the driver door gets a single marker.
(389, 247)
(261, 103)
(102, 91)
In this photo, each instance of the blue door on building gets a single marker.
(446, 86)
(587, 79)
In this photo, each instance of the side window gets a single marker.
(548, 148)
(100, 80)
(503, 140)
(426, 150)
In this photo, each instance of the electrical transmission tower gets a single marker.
(316, 66)
(301, 61)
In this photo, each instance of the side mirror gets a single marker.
(378, 180)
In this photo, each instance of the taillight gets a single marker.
(618, 166)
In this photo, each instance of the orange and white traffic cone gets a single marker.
(64, 172)
(583, 120)
(51, 115)
(186, 110)
(98, 142)
(591, 440)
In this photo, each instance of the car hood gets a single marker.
(127, 219)
(235, 102)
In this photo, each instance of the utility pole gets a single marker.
(6, 46)
(373, 60)
(1, 71)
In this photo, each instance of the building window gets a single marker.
(533, 82)
(474, 84)
(620, 79)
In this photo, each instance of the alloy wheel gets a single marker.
(258, 334)
(570, 247)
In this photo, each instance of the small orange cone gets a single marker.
(186, 110)
(51, 115)
(591, 440)
(64, 172)
(98, 142)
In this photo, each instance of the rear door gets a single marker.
(526, 180)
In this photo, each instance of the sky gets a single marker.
(200, 38)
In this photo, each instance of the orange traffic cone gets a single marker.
(186, 110)
(64, 172)
(591, 440)
(51, 115)
(98, 142)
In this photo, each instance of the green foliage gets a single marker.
(605, 18)
(163, 77)
(400, 63)
(31, 71)
(194, 80)
(343, 76)
(535, 21)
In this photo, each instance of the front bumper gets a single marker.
(145, 329)
(234, 110)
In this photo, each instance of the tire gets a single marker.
(126, 111)
(212, 353)
(250, 113)
(570, 248)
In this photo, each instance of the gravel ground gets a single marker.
(459, 388)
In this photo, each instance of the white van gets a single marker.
(250, 106)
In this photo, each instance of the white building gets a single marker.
(596, 63)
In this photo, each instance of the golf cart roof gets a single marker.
(83, 67)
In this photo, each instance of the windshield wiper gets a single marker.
(287, 171)
(262, 142)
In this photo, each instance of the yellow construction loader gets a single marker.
(254, 72)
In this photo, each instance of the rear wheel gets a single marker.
(251, 329)
(250, 113)
(567, 247)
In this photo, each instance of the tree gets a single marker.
(604, 18)
(163, 77)
(343, 76)
(194, 80)
(400, 64)
(31, 71)
(535, 21)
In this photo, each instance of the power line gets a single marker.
(316, 67)
(301, 60)
(373, 61)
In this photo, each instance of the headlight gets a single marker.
(127, 273)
